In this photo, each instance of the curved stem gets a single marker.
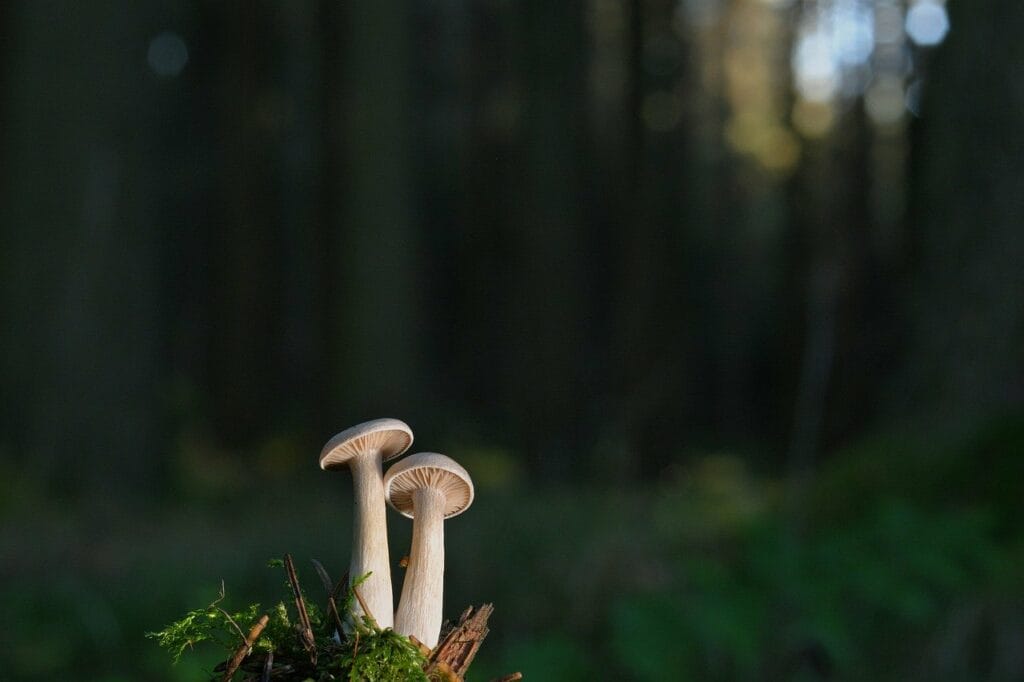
(370, 539)
(420, 609)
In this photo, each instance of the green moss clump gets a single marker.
(379, 656)
(364, 653)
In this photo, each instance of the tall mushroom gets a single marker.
(362, 449)
(428, 488)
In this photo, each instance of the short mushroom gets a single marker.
(428, 488)
(362, 449)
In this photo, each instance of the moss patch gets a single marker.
(362, 652)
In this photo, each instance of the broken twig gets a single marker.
(306, 636)
(362, 605)
(246, 647)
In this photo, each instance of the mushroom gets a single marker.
(428, 488)
(362, 449)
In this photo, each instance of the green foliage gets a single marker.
(367, 653)
(766, 600)
(209, 624)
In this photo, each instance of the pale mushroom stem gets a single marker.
(420, 609)
(370, 539)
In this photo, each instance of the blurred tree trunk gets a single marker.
(546, 348)
(246, 267)
(655, 328)
(375, 298)
(966, 354)
(81, 337)
(305, 234)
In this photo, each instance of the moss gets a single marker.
(365, 653)
(209, 624)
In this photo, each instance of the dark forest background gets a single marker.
(728, 328)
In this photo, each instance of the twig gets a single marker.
(306, 629)
(511, 677)
(246, 647)
(232, 621)
(340, 586)
(362, 605)
(332, 607)
(332, 604)
(424, 649)
(325, 578)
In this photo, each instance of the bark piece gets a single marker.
(458, 648)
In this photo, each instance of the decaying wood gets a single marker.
(246, 647)
(444, 673)
(460, 645)
(306, 636)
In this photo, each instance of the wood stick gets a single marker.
(306, 629)
(424, 649)
(325, 578)
(332, 607)
(241, 635)
(511, 677)
(340, 587)
(362, 605)
(246, 647)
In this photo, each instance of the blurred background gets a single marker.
(721, 303)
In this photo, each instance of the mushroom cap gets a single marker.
(390, 437)
(428, 470)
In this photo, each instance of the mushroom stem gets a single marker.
(370, 538)
(420, 609)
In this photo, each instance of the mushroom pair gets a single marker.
(426, 487)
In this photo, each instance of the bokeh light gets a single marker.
(927, 23)
(852, 27)
(167, 54)
(848, 48)
(700, 13)
(888, 23)
(885, 100)
(815, 68)
(813, 119)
